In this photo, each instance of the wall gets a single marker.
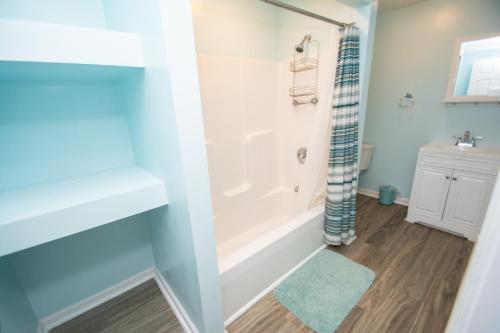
(155, 115)
(239, 100)
(166, 127)
(88, 13)
(16, 315)
(219, 30)
(413, 51)
(68, 126)
(64, 129)
(60, 273)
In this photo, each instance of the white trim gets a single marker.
(74, 310)
(177, 307)
(374, 194)
(273, 285)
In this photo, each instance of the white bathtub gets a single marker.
(254, 269)
(262, 193)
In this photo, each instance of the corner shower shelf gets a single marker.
(303, 64)
(30, 49)
(302, 91)
(38, 214)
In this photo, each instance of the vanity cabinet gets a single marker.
(452, 187)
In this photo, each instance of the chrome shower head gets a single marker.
(300, 48)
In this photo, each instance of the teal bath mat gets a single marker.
(323, 291)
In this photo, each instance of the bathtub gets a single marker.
(268, 204)
(252, 270)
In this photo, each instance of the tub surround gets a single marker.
(253, 133)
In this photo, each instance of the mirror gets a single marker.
(475, 72)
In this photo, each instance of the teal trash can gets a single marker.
(387, 194)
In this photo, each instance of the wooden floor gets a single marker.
(418, 272)
(142, 310)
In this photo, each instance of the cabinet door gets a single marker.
(429, 192)
(468, 199)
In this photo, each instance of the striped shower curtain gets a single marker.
(342, 186)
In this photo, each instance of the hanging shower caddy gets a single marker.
(304, 67)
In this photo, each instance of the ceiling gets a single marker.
(388, 5)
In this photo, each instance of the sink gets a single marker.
(445, 146)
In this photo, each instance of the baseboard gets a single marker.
(273, 285)
(374, 194)
(172, 300)
(74, 310)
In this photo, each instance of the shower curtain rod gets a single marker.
(281, 4)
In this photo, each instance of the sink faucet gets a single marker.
(467, 140)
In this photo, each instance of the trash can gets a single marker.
(387, 194)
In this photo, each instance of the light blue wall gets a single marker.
(368, 20)
(62, 124)
(63, 272)
(167, 134)
(16, 315)
(87, 13)
(135, 121)
(58, 129)
(465, 69)
(56, 125)
(413, 51)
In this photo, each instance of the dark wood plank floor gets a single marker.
(418, 273)
(142, 310)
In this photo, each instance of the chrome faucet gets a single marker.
(467, 140)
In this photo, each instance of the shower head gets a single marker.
(300, 48)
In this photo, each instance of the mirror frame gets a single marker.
(450, 98)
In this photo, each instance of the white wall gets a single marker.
(239, 99)
(241, 28)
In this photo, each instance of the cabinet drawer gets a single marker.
(453, 161)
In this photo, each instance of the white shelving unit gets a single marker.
(41, 213)
(30, 43)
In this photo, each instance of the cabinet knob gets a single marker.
(455, 178)
(447, 177)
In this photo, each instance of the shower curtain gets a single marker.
(342, 183)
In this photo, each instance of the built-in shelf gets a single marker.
(38, 214)
(32, 49)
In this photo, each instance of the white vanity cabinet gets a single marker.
(452, 187)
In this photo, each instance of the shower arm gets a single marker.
(283, 5)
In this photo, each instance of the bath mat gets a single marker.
(324, 290)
